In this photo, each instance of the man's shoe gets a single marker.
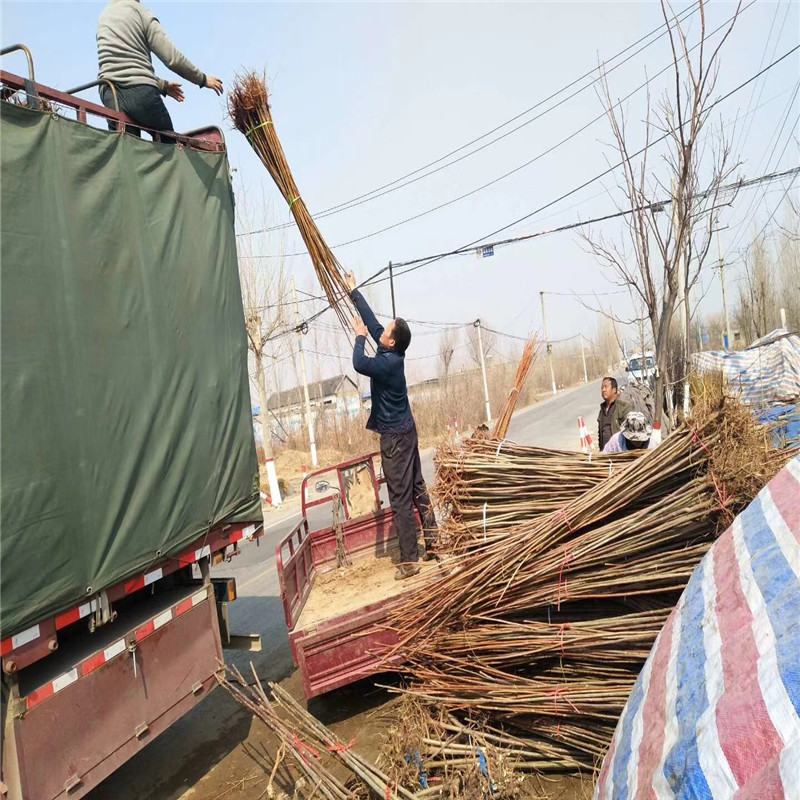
(406, 571)
(430, 555)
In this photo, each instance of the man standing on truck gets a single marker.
(391, 417)
(612, 412)
(127, 34)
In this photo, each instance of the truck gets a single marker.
(128, 461)
(336, 573)
(642, 368)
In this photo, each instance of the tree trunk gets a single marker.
(687, 349)
(661, 329)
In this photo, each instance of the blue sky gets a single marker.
(364, 93)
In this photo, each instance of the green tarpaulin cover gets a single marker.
(125, 418)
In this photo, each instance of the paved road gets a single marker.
(168, 768)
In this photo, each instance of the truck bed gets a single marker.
(339, 618)
(367, 580)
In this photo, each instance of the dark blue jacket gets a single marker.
(391, 412)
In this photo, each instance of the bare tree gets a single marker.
(608, 347)
(447, 349)
(789, 267)
(264, 298)
(669, 242)
(758, 298)
(771, 282)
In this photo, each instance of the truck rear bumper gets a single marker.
(66, 736)
(344, 650)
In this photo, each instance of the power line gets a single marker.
(469, 250)
(507, 174)
(743, 140)
(610, 169)
(753, 205)
(379, 191)
(656, 205)
(376, 279)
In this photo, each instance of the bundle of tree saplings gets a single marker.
(485, 487)
(525, 364)
(248, 106)
(540, 633)
(313, 748)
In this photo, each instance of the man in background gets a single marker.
(391, 417)
(636, 433)
(612, 412)
(127, 34)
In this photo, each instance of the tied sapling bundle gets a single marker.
(249, 109)
(525, 364)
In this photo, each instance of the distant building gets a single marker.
(425, 390)
(338, 396)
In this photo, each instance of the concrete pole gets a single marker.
(266, 433)
(729, 344)
(309, 421)
(483, 370)
(548, 345)
(583, 356)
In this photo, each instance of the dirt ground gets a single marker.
(362, 712)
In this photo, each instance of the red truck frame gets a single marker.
(352, 645)
(81, 696)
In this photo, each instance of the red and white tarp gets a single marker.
(715, 712)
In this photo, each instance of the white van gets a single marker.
(641, 368)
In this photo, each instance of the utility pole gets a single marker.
(477, 324)
(783, 319)
(728, 341)
(391, 286)
(583, 356)
(548, 345)
(266, 432)
(309, 421)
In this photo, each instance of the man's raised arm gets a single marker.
(364, 311)
(362, 363)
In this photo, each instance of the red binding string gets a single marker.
(564, 563)
(304, 748)
(338, 747)
(560, 693)
(563, 627)
(387, 795)
(561, 516)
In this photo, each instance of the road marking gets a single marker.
(261, 575)
(283, 519)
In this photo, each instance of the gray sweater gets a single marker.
(127, 33)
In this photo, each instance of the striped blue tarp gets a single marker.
(767, 372)
(715, 712)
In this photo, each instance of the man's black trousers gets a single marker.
(407, 491)
(143, 104)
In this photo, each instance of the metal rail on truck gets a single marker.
(45, 98)
(305, 548)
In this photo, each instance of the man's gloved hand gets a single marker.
(350, 279)
(359, 327)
